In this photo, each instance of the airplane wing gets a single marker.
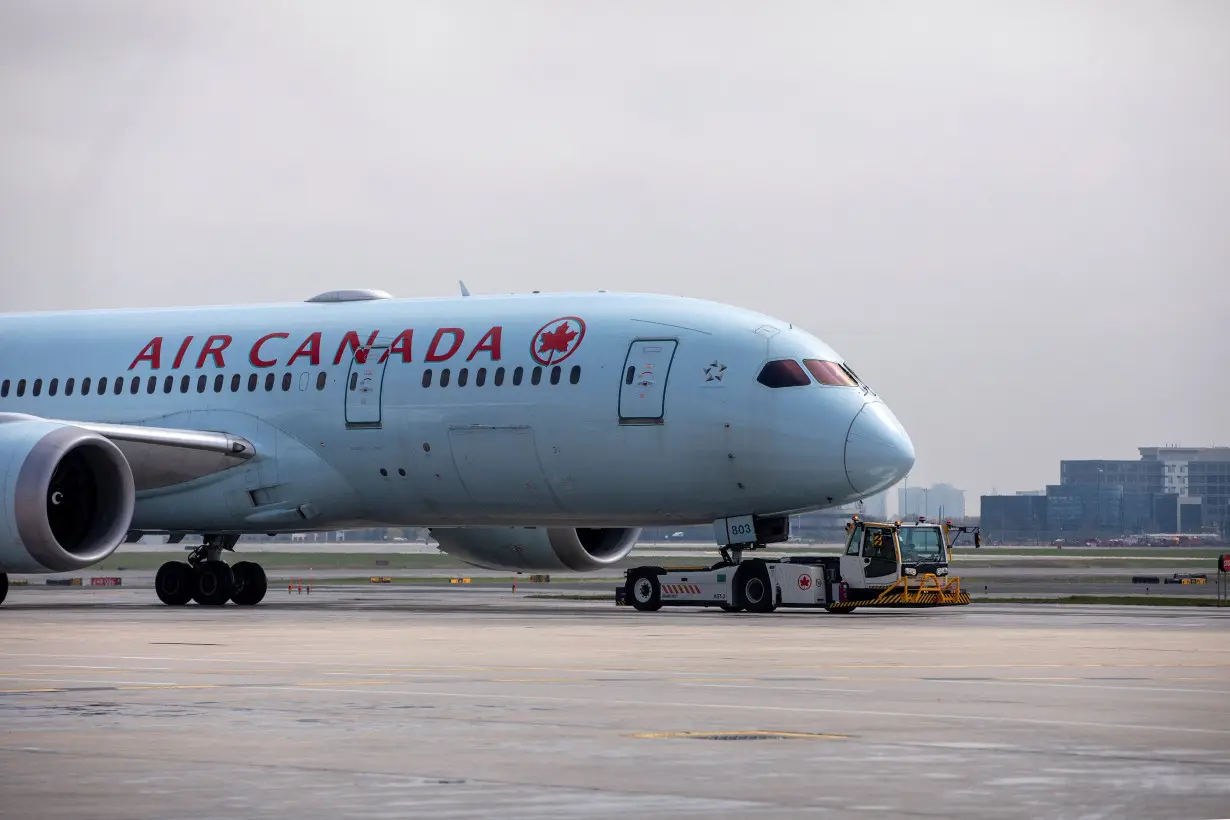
(163, 456)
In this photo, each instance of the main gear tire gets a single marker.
(174, 583)
(214, 583)
(250, 583)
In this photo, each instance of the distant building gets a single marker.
(936, 501)
(1113, 495)
(1198, 473)
(1014, 517)
(1169, 490)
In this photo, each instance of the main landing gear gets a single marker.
(4, 586)
(208, 580)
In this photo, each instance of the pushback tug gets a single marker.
(883, 565)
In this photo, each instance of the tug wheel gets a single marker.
(644, 591)
(753, 589)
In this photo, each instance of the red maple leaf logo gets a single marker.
(556, 341)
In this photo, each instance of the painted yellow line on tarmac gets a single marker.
(28, 691)
(159, 686)
(343, 683)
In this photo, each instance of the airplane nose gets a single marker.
(878, 451)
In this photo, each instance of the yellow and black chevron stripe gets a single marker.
(902, 599)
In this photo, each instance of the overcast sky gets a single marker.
(1012, 218)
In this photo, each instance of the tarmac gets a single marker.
(984, 581)
(474, 702)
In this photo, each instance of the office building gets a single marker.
(1169, 490)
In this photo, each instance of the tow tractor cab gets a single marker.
(882, 564)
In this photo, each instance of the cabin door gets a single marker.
(642, 393)
(364, 386)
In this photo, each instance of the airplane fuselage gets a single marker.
(596, 409)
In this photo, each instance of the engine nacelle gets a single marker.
(529, 549)
(67, 496)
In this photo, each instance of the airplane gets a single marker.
(531, 432)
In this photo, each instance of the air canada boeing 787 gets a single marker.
(529, 432)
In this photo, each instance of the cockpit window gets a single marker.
(830, 373)
(783, 373)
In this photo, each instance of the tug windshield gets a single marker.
(920, 544)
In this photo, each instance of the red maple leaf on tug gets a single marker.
(557, 340)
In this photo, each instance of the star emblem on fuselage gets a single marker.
(714, 371)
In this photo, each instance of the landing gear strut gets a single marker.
(208, 580)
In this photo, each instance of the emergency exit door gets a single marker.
(364, 385)
(642, 395)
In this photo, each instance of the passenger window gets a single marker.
(68, 386)
(185, 383)
(783, 373)
(117, 386)
(21, 388)
(480, 378)
(218, 383)
(102, 385)
(321, 378)
(269, 380)
(427, 377)
(575, 375)
(200, 384)
(463, 376)
(354, 381)
(536, 376)
(38, 387)
(630, 375)
(555, 371)
(85, 386)
(499, 376)
(253, 379)
(287, 381)
(444, 377)
(4, 389)
(152, 384)
(134, 386)
(829, 373)
(168, 384)
(53, 387)
(517, 374)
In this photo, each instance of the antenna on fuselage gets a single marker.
(464, 290)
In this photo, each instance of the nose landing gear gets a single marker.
(208, 580)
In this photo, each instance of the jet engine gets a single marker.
(67, 496)
(526, 549)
